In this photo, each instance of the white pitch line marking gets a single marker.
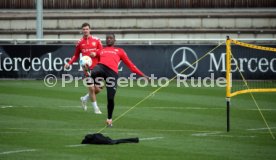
(205, 134)
(6, 106)
(3, 106)
(232, 136)
(256, 129)
(150, 138)
(175, 130)
(218, 134)
(18, 151)
(269, 109)
(11, 132)
(76, 145)
(69, 106)
(47, 129)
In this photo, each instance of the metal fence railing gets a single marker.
(140, 41)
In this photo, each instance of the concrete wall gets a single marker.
(141, 24)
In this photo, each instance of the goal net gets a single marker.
(249, 68)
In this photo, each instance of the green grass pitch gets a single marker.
(37, 122)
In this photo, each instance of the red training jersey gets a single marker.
(111, 56)
(87, 45)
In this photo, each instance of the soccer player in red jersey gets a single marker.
(107, 69)
(88, 46)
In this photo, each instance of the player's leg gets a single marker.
(98, 89)
(86, 97)
(94, 87)
(111, 91)
(92, 92)
(111, 87)
(84, 100)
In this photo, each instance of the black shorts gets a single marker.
(97, 84)
(102, 72)
(90, 82)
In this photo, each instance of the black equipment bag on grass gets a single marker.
(99, 138)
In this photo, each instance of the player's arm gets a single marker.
(130, 65)
(74, 58)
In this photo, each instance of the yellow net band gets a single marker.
(251, 91)
(253, 46)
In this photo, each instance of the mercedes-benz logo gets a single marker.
(183, 59)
